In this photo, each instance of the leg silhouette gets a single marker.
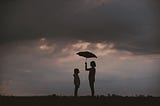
(92, 87)
(75, 90)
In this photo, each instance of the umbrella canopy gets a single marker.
(87, 54)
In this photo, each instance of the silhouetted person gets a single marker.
(76, 81)
(91, 77)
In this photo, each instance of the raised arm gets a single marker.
(87, 69)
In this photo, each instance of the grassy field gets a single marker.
(79, 101)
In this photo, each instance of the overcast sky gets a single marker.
(39, 40)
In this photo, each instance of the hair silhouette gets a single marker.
(91, 76)
(76, 81)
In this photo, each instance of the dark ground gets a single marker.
(79, 101)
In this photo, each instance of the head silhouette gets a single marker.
(92, 64)
(76, 70)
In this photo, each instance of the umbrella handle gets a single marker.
(86, 60)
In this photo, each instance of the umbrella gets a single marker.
(86, 54)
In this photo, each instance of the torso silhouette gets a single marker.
(76, 80)
(92, 72)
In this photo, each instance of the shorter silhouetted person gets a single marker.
(91, 77)
(76, 81)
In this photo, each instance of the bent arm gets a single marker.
(87, 69)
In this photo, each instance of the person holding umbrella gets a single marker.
(92, 70)
(91, 76)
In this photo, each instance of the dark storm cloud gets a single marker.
(156, 10)
(129, 24)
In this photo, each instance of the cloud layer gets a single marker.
(129, 24)
(43, 66)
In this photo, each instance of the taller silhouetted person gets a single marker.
(91, 76)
